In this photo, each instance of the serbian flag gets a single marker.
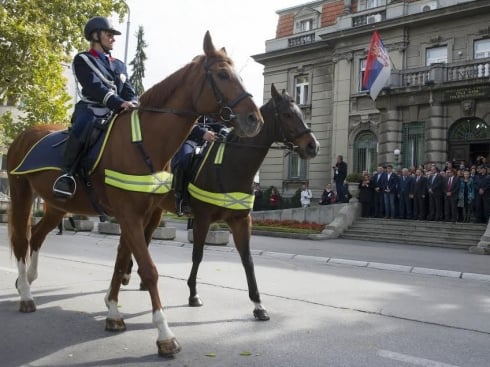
(378, 67)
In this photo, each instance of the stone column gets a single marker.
(390, 137)
(340, 108)
(435, 136)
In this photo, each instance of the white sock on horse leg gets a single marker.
(112, 310)
(22, 283)
(33, 266)
(160, 321)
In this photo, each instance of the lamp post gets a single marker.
(127, 32)
(396, 153)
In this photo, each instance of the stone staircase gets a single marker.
(415, 232)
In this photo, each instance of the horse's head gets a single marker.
(290, 125)
(224, 92)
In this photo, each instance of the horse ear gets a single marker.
(208, 44)
(274, 92)
(223, 50)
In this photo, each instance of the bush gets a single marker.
(354, 177)
(79, 217)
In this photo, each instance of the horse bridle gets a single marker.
(226, 110)
(225, 113)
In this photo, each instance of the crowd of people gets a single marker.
(456, 193)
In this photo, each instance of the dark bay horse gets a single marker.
(167, 112)
(224, 191)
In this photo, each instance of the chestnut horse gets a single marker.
(223, 191)
(167, 112)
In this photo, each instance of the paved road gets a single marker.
(322, 314)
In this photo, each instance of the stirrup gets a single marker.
(64, 193)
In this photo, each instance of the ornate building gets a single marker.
(435, 108)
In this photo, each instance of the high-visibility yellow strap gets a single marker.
(156, 183)
(136, 135)
(218, 159)
(229, 200)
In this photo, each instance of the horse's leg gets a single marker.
(133, 241)
(155, 219)
(114, 320)
(21, 197)
(200, 229)
(48, 222)
(241, 229)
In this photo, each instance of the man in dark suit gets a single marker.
(435, 195)
(420, 196)
(340, 173)
(451, 191)
(378, 192)
(405, 194)
(390, 186)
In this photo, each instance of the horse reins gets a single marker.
(225, 113)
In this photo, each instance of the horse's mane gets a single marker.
(160, 92)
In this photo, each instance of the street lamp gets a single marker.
(127, 32)
(397, 152)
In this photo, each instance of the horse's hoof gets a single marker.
(169, 347)
(143, 287)
(195, 301)
(27, 306)
(261, 315)
(115, 325)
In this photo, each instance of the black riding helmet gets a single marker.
(97, 24)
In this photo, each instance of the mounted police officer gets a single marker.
(105, 89)
(205, 130)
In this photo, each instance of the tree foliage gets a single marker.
(138, 63)
(37, 41)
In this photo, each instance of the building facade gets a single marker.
(435, 108)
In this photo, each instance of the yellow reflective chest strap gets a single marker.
(229, 200)
(156, 183)
(136, 135)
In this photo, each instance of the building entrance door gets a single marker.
(468, 140)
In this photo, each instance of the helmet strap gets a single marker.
(98, 40)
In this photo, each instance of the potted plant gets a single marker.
(110, 227)
(3, 215)
(353, 180)
(162, 232)
(82, 223)
(217, 235)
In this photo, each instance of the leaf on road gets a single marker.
(245, 353)
(210, 354)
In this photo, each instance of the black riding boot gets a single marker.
(181, 197)
(65, 185)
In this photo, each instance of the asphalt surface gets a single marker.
(327, 307)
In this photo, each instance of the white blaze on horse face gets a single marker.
(160, 321)
(112, 310)
(22, 283)
(33, 266)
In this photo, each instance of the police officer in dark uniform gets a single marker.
(105, 89)
(205, 130)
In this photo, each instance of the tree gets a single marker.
(138, 63)
(37, 40)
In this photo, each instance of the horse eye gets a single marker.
(223, 75)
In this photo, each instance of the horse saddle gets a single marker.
(47, 153)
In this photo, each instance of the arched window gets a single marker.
(365, 152)
(469, 129)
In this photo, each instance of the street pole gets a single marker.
(127, 32)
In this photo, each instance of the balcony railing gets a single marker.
(301, 40)
(442, 73)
